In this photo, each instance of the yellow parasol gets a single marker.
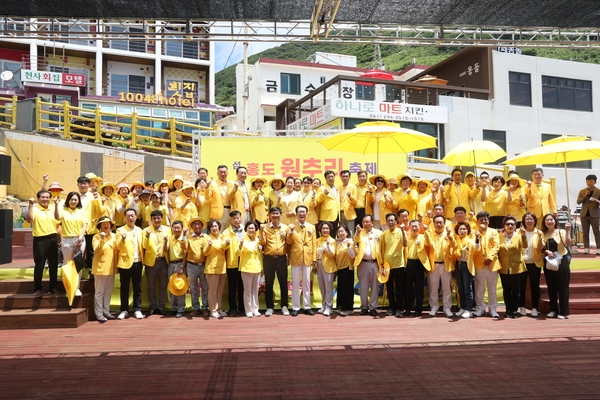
(559, 153)
(70, 279)
(565, 138)
(471, 153)
(379, 137)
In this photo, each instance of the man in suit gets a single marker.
(235, 285)
(156, 260)
(348, 198)
(367, 260)
(589, 198)
(220, 192)
(303, 257)
(240, 195)
(486, 263)
(457, 194)
(328, 197)
(539, 196)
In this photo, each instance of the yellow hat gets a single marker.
(469, 173)
(197, 219)
(178, 284)
(427, 182)
(277, 177)
(256, 179)
(402, 176)
(386, 268)
(93, 177)
(372, 179)
(175, 178)
(515, 177)
(187, 185)
(137, 183)
(392, 181)
(159, 184)
(105, 219)
(107, 184)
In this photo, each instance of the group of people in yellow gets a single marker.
(397, 231)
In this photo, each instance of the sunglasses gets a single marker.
(510, 224)
(379, 181)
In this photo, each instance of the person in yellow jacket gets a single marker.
(439, 244)
(258, 200)
(129, 264)
(308, 196)
(406, 196)
(486, 265)
(392, 248)
(462, 251)
(104, 268)
(326, 267)
(362, 189)
(416, 264)
(540, 200)
(157, 204)
(457, 193)
(219, 194)
(156, 260)
(177, 248)
(289, 199)
(239, 197)
(194, 266)
(201, 200)
(510, 257)
(328, 198)
(344, 258)
(348, 197)
(302, 242)
(423, 198)
(515, 197)
(185, 204)
(250, 254)
(367, 261)
(380, 202)
(235, 285)
(534, 261)
(215, 267)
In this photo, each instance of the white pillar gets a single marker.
(33, 55)
(99, 64)
(158, 85)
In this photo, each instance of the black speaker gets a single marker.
(5, 170)
(6, 232)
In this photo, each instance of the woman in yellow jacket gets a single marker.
(258, 200)
(288, 201)
(465, 268)
(326, 267)
(515, 198)
(215, 267)
(494, 201)
(344, 259)
(534, 261)
(510, 256)
(555, 241)
(250, 254)
(380, 202)
(104, 268)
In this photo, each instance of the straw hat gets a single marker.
(277, 177)
(175, 178)
(392, 181)
(108, 184)
(428, 182)
(55, 186)
(105, 219)
(123, 185)
(136, 183)
(402, 176)
(187, 185)
(159, 184)
(93, 177)
(515, 177)
(197, 219)
(470, 173)
(386, 268)
(257, 179)
(178, 284)
(372, 179)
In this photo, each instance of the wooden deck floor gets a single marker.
(306, 358)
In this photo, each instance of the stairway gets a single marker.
(584, 293)
(22, 244)
(21, 310)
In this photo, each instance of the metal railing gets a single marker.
(8, 111)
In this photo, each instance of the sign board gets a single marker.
(57, 78)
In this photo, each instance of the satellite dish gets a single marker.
(6, 75)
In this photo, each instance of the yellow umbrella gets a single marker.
(559, 153)
(379, 137)
(70, 279)
(565, 138)
(471, 153)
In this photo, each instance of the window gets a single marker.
(428, 129)
(131, 45)
(364, 92)
(393, 94)
(15, 68)
(290, 84)
(323, 79)
(127, 83)
(498, 137)
(519, 86)
(566, 94)
(63, 70)
(577, 164)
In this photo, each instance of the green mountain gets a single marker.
(395, 58)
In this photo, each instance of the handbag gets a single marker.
(552, 264)
(79, 261)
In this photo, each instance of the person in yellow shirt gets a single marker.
(515, 197)
(494, 201)
(348, 199)
(303, 257)
(177, 247)
(219, 194)
(367, 260)
(104, 268)
(406, 197)
(457, 193)
(250, 253)
(344, 259)
(540, 200)
(276, 183)
(129, 264)
(328, 198)
(485, 259)
(380, 201)
(475, 204)
(326, 267)
(534, 261)
(215, 267)
(235, 285)
(156, 260)
(108, 205)
(362, 188)
(185, 204)
(45, 241)
(194, 266)
(463, 249)
(513, 243)
(392, 250)
(416, 264)
(288, 201)
(156, 204)
(308, 196)
(423, 198)
(240, 195)
(440, 243)
(175, 185)
(122, 202)
(258, 200)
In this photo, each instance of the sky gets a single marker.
(230, 53)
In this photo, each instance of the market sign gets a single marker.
(57, 78)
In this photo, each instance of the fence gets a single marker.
(8, 113)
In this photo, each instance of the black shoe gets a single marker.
(390, 312)
(418, 313)
(294, 313)
(53, 292)
(171, 313)
(407, 313)
(154, 311)
(308, 311)
(373, 313)
(232, 313)
(159, 311)
(364, 312)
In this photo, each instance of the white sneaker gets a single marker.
(214, 314)
(255, 314)
(479, 313)
(561, 317)
(534, 312)
(460, 312)
(221, 313)
(123, 315)
(78, 293)
(494, 314)
(523, 311)
(138, 315)
(321, 310)
(466, 315)
(586, 251)
(434, 310)
(551, 314)
(326, 312)
(269, 312)
(346, 313)
(249, 315)
(285, 311)
(448, 313)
